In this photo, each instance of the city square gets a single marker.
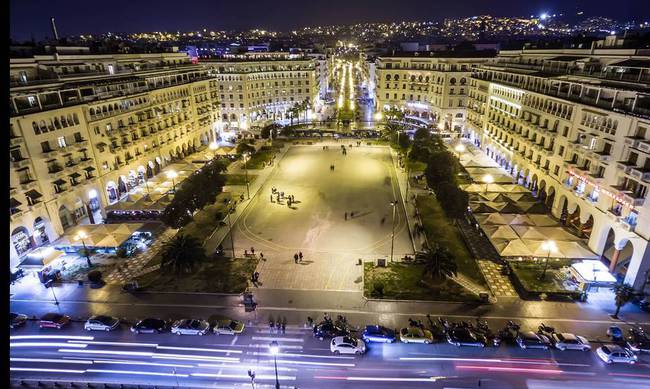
(304, 196)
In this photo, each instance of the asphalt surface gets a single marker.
(223, 361)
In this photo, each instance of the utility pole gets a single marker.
(232, 240)
(392, 235)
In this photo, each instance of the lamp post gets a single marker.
(213, 146)
(275, 349)
(248, 193)
(487, 179)
(549, 246)
(171, 175)
(232, 240)
(392, 234)
(81, 235)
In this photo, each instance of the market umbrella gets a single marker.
(482, 208)
(516, 248)
(500, 232)
(522, 220)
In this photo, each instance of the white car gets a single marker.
(565, 341)
(101, 323)
(190, 327)
(347, 345)
(611, 353)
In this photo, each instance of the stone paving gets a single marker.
(134, 266)
(498, 283)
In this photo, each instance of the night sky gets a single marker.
(31, 17)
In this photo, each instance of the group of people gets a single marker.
(279, 196)
(344, 151)
(297, 257)
(246, 254)
(279, 327)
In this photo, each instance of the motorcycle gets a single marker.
(483, 329)
(510, 332)
(545, 330)
(615, 333)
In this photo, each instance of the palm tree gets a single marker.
(181, 253)
(439, 263)
(623, 294)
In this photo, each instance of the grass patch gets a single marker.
(80, 271)
(416, 166)
(239, 179)
(439, 229)
(207, 219)
(261, 157)
(555, 281)
(212, 276)
(404, 282)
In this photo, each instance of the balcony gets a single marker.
(640, 173)
(625, 166)
(81, 144)
(28, 184)
(50, 153)
(631, 141)
(625, 224)
(644, 146)
(633, 199)
(20, 163)
(16, 140)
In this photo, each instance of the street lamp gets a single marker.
(232, 240)
(81, 235)
(487, 179)
(248, 192)
(274, 349)
(171, 175)
(378, 116)
(392, 235)
(549, 246)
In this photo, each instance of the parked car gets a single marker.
(565, 341)
(529, 339)
(190, 327)
(101, 323)
(611, 353)
(327, 329)
(347, 345)
(461, 336)
(54, 320)
(149, 325)
(228, 327)
(17, 320)
(615, 333)
(638, 340)
(378, 334)
(645, 304)
(415, 335)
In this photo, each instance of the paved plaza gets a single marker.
(363, 184)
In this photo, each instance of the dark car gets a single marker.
(638, 340)
(377, 333)
(529, 339)
(54, 320)
(329, 330)
(461, 336)
(17, 320)
(645, 305)
(150, 326)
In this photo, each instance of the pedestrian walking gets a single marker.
(252, 250)
(295, 258)
(346, 216)
(256, 275)
(284, 327)
(300, 256)
(351, 214)
(271, 197)
(271, 326)
(383, 220)
(246, 253)
(262, 256)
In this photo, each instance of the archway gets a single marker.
(550, 198)
(541, 191)
(563, 205)
(21, 240)
(111, 192)
(141, 173)
(65, 217)
(573, 216)
(150, 167)
(40, 232)
(617, 254)
(122, 188)
(587, 227)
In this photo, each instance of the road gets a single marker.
(222, 361)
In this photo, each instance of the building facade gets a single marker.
(426, 85)
(574, 127)
(85, 129)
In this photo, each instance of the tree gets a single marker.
(393, 113)
(441, 166)
(623, 294)
(244, 147)
(403, 142)
(454, 201)
(421, 135)
(439, 263)
(181, 253)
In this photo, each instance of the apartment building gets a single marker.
(430, 85)
(574, 127)
(263, 90)
(85, 129)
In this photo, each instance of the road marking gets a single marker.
(303, 355)
(50, 360)
(251, 367)
(522, 370)
(487, 360)
(243, 376)
(195, 357)
(379, 379)
(310, 363)
(214, 350)
(117, 362)
(270, 339)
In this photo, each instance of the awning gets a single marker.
(13, 203)
(59, 182)
(33, 194)
(89, 169)
(75, 175)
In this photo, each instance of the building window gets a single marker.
(61, 141)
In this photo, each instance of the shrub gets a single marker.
(378, 289)
(122, 252)
(95, 276)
